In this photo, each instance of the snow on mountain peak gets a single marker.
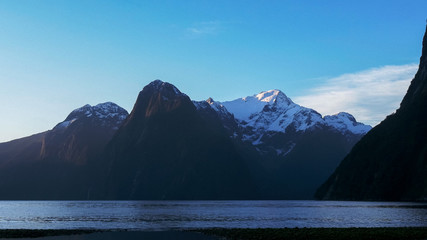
(273, 111)
(104, 113)
(102, 110)
(346, 122)
(270, 116)
(244, 108)
(273, 96)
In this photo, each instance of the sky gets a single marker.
(332, 56)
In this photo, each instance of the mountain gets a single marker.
(56, 164)
(169, 147)
(279, 132)
(83, 134)
(273, 111)
(167, 150)
(390, 162)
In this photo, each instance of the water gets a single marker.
(173, 215)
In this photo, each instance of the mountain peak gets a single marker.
(210, 100)
(164, 87)
(100, 110)
(103, 112)
(344, 122)
(346, 115)
(156, 82)
(158, 96)
(272, 96)
(245, 108)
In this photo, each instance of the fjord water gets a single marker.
(173, 215)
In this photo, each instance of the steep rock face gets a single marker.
(56, 164)
(167, 150)
(292, 148)
(83, 134)
(390, 162)
(21, 150)
(210, 109)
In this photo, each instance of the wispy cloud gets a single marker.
(205, 28)
(369, 95)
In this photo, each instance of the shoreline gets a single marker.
(380, 233)
(362, 233)
(37, 233)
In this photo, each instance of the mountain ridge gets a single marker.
(303, 118)
(170, 147)
(272, 127)
(165, 150)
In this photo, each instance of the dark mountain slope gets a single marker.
(83, 134)
(57, 164)
(291, 150)
(390, 162)
(167, 150)
(314, 157)
(21, 150)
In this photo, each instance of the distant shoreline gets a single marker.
(36, 233)
(377, 233)
(382, 233)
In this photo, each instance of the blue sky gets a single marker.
(59, 55)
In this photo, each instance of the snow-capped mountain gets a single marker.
(258, 147)
(273, 111)
(84, 133)
(294, 144)
(105, 114)
(270, 112)
(345, 122)
(60, 163)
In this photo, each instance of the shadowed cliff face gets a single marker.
(158, 97)
(166, 150)
(57, 164)
(390, 162)
(83, 134)
(416, 97)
